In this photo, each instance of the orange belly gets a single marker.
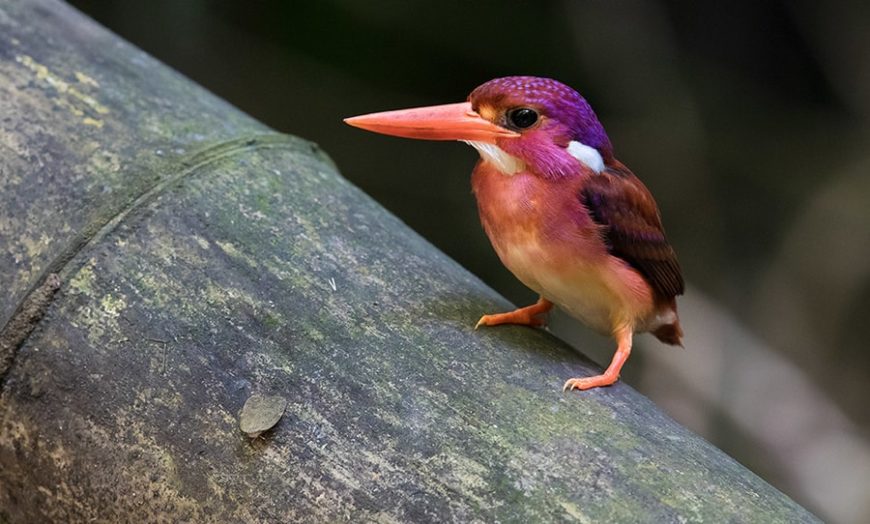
(544, 236)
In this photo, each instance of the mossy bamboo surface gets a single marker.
(163, 257)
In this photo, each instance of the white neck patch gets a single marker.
(588, 155)
(504, 162)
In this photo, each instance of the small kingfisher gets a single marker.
(567, 218)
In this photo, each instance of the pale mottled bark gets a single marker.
(203, 258)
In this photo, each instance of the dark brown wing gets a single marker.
(618, 201)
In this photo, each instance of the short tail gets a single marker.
(670, 333)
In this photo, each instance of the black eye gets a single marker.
(523, 117)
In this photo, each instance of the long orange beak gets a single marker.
(445, 122)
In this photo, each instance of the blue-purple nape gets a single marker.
(555, 99)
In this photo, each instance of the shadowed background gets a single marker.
(748, 121)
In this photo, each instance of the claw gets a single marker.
(526, 316)
(611, 374)
(589, 382)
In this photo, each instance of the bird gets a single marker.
(567, 218)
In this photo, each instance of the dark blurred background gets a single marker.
(747, 119)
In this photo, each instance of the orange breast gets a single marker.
(545, 237)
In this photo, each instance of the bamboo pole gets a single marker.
(164, 258)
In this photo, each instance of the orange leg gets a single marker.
(525, 316)
(611, 374)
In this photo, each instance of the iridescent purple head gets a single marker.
(552, 100)
(557, 127)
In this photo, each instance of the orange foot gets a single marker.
(611, 374)
(524, 316)
(589, 382)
